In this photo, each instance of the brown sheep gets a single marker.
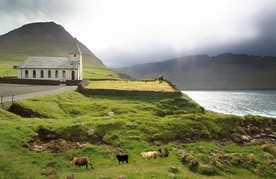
(163, 153)
(81, 161)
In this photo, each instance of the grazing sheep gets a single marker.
(81, 161)
(163, 153)
(149, 155)
(122, 158)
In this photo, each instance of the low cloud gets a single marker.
(123, 32)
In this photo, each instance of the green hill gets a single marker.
(45, 39)
(75, 124)
(225, 71)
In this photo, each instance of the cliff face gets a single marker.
(225, 71)
(42, 39)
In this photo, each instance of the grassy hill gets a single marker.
(225, 71)
(138, 124)
(45, 39)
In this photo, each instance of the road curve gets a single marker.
(41, 92)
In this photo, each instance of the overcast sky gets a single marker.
(128, 32)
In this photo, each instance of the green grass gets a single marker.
(7, 69)
(98, 73)
(139, 124)
(131, 85)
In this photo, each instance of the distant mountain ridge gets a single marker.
(42, 39)
(225, 71)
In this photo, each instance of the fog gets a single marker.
(123, 33)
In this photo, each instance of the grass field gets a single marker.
(6, 68)
(136, 126)
(132, 85)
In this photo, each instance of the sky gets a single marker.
(128, 32)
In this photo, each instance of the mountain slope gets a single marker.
(41, 39)
(225, 71)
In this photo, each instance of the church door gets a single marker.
(73, 75)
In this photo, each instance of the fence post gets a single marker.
(12, 97)
(1, 99)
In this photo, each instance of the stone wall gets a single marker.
(72, 82)
(84, 83)
(15, 80)
(173, 86)
(28, 81)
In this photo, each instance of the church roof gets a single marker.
(49, 62)
(76, 48)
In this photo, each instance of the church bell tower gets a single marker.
(76, 56)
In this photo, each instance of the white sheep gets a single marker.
(149, 155)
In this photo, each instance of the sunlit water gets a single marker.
(261, 102)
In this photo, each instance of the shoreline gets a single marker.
(239, 103)
(228, 90)
(216, 112)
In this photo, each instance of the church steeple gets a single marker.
(76, 49)
(76, 56)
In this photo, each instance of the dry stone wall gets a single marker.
(15, 80)
(28, 81)
(82, 88)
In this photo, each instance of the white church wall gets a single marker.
(47, 74)
(19, 73)
(77, 57)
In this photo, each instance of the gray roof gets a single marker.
(49, 62)
(76, 49)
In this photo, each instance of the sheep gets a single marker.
(149, 155)
(122, 158)
(163, 153)
(81, 161)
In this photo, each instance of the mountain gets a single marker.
(42, 39)
(225, 71)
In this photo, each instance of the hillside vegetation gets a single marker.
(100, 127)
(45, 39)
(225, 71)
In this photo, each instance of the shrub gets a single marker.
(207, 170)
(270, 148)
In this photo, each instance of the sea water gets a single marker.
(255, 102)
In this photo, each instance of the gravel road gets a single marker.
(22, 91)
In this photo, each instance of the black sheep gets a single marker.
(122, 158)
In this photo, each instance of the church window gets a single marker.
(63, 74)
(56, 74)
(42, 74)
(75, 55)
(49, 73)
(26, 74)
(34, 74)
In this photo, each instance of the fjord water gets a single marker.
(255, 102)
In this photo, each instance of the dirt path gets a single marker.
(27, 91)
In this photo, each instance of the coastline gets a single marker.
(239, 103)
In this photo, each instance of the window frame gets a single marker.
(49, 74)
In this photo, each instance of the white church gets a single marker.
(53, 68)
